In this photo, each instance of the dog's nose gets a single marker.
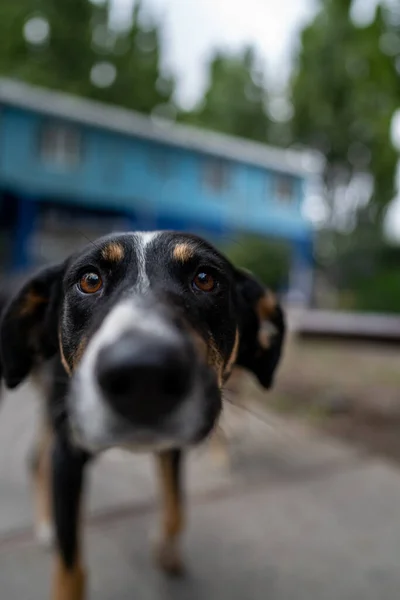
(144, 379)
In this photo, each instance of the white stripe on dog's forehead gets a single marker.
(147, 236)
(143, 240)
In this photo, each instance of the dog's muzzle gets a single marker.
(142, 384)
(144, 377)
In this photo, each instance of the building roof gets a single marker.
(120, 120)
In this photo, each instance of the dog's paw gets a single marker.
(168, 558)
(44, 534)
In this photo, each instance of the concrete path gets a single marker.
(296, 517)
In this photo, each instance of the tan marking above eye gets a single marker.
(113, 252)
(204, 281)
(183, 252)
(90, 283)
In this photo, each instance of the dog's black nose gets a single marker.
(144, 379)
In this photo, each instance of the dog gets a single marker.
(133, 339)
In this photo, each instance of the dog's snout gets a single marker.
(144, 379)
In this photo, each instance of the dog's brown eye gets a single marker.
(90, 283)
(204, 282)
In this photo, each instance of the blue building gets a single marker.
(72, 169)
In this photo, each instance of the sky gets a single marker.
(194, 28)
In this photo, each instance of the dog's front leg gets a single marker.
(40, 466)
(168, 553)
(68, 466)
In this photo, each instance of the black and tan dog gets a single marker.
(138, 333)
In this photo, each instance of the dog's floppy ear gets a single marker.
(3, 304)
(261, 326)
(29, 325)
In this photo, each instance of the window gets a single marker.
(60, 145)
(284, 189)
(216, 175)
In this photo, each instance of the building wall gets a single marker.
(146, 184)
(116, 171)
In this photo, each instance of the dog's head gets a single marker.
(148, 327)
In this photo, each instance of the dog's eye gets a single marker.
(90, 283)
(204, 282)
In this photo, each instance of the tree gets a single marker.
(235, 101)
(268, 259)
(345, 91)
(71, 45)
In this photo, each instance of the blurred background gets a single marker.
(316, 83)
(270, 128)
(273, 130)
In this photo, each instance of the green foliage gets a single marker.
(269, 260)
(235, 101)
(80, 37)
(345, 90)
(365, 271)
(378, 293)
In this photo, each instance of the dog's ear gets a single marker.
(29, 325)
(261, 326)
(3, 304)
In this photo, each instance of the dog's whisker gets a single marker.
(88, 239)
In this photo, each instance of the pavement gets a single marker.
(294, 516)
